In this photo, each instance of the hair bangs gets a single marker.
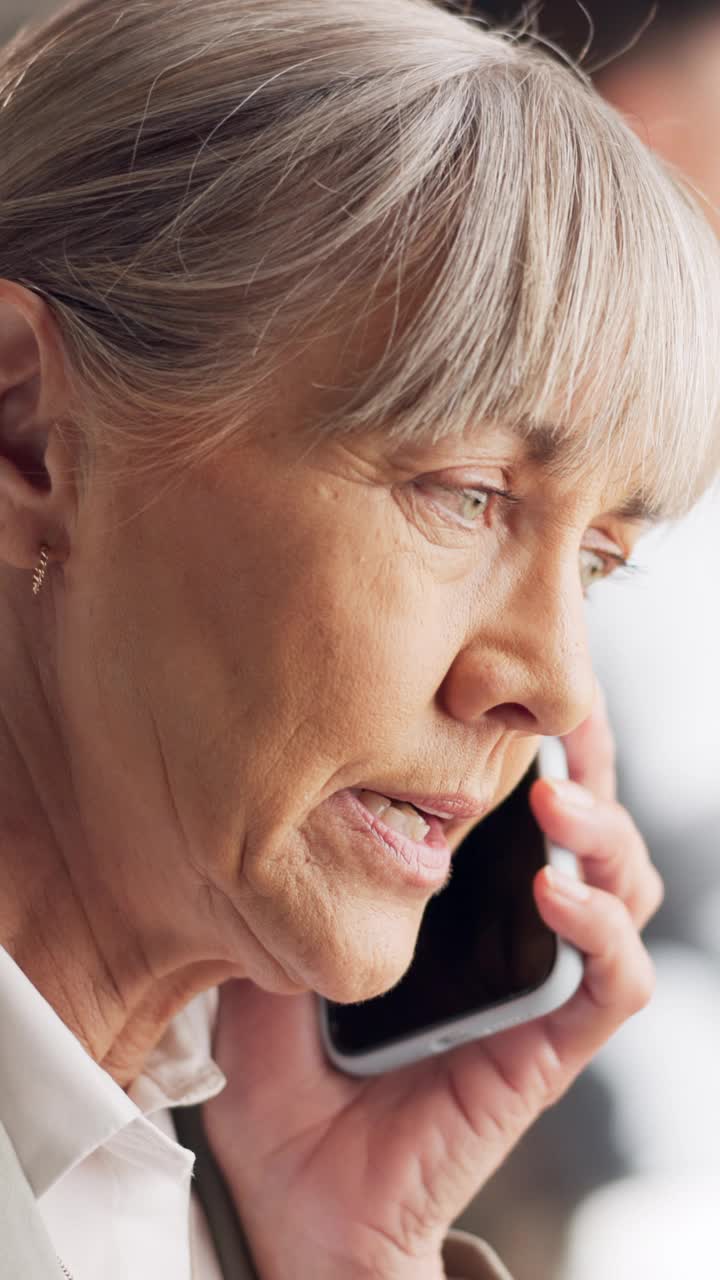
(301, 170)
(568, 295)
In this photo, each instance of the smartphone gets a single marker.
(484, 958)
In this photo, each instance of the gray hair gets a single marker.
(199, 186)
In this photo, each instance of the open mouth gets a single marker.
(403, 819)
(399, 815)
(415, 837)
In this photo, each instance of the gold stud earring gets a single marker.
(40, 570)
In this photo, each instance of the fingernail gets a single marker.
(570, 794)
(566, 886)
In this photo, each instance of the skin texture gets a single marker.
(339, 1177)
(206, 665)
(453, 1120)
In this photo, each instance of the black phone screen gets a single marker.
(481, 941)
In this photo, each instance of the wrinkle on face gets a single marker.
(284, 623)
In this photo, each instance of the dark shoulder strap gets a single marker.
(225, 1228)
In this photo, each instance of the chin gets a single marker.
(370, 976)
(358, 967)
(349, 942)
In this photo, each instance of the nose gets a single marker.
(528, 666)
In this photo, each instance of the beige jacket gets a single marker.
(26, 1251)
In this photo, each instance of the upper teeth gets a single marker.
(401, 817)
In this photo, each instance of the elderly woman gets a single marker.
(342, 347)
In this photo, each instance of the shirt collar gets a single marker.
(58, 1105)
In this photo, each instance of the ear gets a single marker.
(37, 493)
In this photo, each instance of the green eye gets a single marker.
(468, 508)
(593, 567)
(473, 502)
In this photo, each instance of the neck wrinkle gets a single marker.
(63, 919)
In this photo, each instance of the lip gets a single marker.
(423, 864)
(447, 807)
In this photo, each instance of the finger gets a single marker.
(505, 1081)
(590, 751)
(618, 980)
(603, 836)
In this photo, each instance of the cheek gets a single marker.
(379, 659)
(518, 756)
(354, 648)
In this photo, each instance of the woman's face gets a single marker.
(285, 629)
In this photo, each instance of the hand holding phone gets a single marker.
(323, 1166)
(484, 959)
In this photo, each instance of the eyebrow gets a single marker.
(640, 509)
(544, 447)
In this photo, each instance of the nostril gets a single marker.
(513, 715)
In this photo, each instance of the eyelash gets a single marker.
(620, 564)
(616, 567)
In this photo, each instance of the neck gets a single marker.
(67, 917)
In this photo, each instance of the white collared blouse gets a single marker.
(113, 1184)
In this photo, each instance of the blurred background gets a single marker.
(622, 1178)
